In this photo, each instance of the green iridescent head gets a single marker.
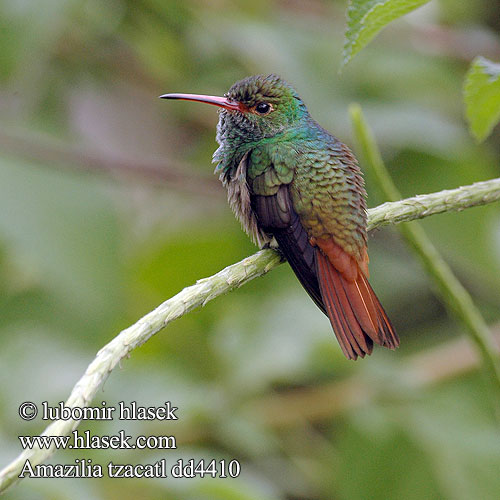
(258, 108)
(268, 107)
(255, 108)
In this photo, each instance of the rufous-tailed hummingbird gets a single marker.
(294, 185)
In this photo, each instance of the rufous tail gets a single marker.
(357, 317)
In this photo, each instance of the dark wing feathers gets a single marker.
(273, 212)
(301, 259)
(277, 217)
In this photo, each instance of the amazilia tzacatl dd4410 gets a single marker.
(294, 185)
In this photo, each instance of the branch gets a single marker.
(420, 206)
(57, 154)
(225, 281)
(453, 294)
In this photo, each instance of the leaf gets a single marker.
(482, 97)
(365, 18)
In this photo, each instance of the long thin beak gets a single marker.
(223, 102)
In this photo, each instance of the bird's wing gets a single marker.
(334, 279)
(329, 197)
(275, 215)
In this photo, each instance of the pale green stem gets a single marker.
(451, 290)
(226, 280)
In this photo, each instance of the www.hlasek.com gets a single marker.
(85, 468)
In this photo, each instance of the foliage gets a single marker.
(482, 97)
(365, 18)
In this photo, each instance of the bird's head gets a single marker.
(253, 109)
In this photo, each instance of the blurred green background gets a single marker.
(108, 206)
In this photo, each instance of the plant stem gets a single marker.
(450, 289)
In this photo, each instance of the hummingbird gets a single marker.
(296, 187)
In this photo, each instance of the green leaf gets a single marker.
(365, 18)
(482, 97)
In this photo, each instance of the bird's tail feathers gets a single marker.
(357, 317)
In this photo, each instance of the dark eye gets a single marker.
(263, 108)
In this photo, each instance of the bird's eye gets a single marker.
(263, 108)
